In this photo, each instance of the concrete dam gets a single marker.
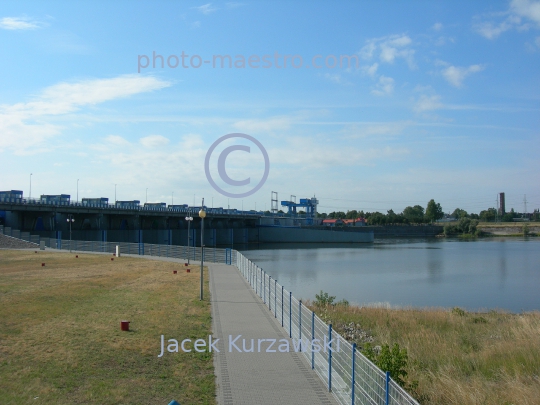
(167, 225)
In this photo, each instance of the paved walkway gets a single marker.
(255, 378)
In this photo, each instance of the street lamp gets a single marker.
(70, 220)
(202, 214)
(188, 219)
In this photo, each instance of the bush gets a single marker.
(449, 230)
(394, 361)
(458, 311)
(324, 299)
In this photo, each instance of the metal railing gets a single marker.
(213, 255)
(348, 374)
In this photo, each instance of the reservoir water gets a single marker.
(476, 275)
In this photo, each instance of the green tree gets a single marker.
(376, 218)
(391, 217)
(459, 213)
(353, 214)
(433, 211)
(414, 215)
(488, 215)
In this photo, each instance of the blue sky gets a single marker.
(443, 101)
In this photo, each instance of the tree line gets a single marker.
(410, 215)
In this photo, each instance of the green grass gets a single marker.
(456, 357)
(60, 337)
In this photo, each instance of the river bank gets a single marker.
(454, 356)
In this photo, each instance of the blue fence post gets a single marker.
(312, 339)
(387, 386)
(290, 314)
(300, 320)
(352, 372)
(282, 306)
(330, 358)
(269, 293)
(275, 298)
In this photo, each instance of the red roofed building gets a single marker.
(332, 222)
(354, 222)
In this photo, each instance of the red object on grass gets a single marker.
(124, 325)
(42, 264)
(174, 271)
(112, 258)
(76, 256)
(188, 270)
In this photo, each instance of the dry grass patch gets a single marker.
(60, 337)
(455, 357)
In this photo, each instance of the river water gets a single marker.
(498, 273)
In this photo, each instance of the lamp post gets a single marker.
(30, 194)
(188, 219)
(70, 220)
(202, 214)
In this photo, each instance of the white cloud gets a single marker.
(371, 70)
(234, 4)
(24, 126)
(437, 26)
(117, 140)
(264, 125)
(518, 10)
(527, 8)
(206, 8)
(455, 75)
(336, 78)
(491, 31)
(19, 23)
(376, 130)
(384, 87)
(427, 103)
(154, 141)
(329, 154)
(389, 48)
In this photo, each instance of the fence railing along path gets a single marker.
(348, 374)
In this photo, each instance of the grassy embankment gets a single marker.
(455, 357)
(60, 337)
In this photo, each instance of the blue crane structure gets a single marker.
(310, 204)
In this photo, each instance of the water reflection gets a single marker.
(479, 274)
